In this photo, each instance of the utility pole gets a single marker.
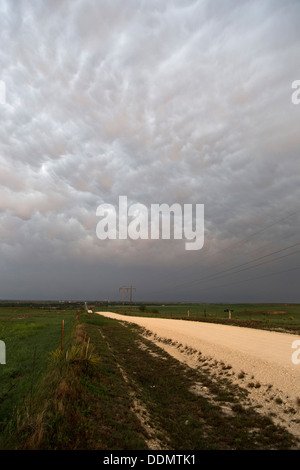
(125, 294)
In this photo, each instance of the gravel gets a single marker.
(265, 357)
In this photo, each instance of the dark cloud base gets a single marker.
(162, 101)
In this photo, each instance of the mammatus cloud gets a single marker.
(164, 102)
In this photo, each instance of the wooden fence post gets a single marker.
(62, 335)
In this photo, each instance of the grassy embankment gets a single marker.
(111, 388)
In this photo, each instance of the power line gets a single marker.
(237, 244)
(234, 245)
(212, 277)
(256, 278)
(125, 291)
(259, 264)
(224, 273)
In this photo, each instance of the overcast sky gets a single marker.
(164, 101)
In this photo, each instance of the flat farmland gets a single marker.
(122, 383)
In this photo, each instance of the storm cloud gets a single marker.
(165, 101)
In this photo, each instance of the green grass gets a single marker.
(78, 404)
(112, 389)
(29, 334)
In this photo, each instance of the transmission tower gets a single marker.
(127, 293)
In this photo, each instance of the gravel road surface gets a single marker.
(264, 355)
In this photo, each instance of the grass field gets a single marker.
(29, 333)
(110, 388)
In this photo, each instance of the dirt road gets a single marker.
(264, 355)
